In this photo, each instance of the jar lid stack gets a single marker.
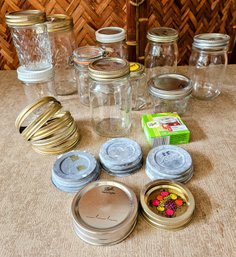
(75, 169)
(104, 212)
(167, 204)
(121, 156)
(169, 162)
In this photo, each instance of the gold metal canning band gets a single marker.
(60, 149)
(53, 125)
(31, 108)
(41, 120)
(58, 138)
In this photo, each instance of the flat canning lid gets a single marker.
(212, 41)
(110, 34)
(162, 34)
(170, 86)
(108, 68)
(167, 204)
(25, 18)
(59, 22)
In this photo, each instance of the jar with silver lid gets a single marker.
(161, 52)
(60, 30)
(37, 84)
(81, 58)
(112, 39)
(30, 37)
(170, 92)
(110, 96)
(208, 60)
(139, 86)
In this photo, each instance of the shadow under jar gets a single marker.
(161, 52)
(209, 59)
(170, 92)
(110, 96)
(30, 37)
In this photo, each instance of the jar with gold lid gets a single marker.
(30, 37)
(60, 30)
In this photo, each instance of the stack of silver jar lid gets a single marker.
(104, 212)
(121, 156)
(75, 169)
(169, 162)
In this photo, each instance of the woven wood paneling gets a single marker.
(189, 17)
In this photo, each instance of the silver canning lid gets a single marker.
(86, 54)
(171, 86)
(212, 41)
(104, 212)
(108, 68)
(110, 34)
(162, 34)
(25, 18)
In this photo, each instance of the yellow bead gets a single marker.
(173, 196)
(160, 208)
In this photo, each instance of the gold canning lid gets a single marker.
(162, 34)
(136, 69)
(59, 22)
(25, 18)
(167, 204)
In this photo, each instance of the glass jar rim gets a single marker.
(162, 34)
(59, 22)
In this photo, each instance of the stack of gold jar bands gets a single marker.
(49, 129)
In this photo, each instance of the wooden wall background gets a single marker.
(189, 17)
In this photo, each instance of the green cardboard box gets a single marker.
(164, 128)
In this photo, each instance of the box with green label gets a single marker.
(164, 128)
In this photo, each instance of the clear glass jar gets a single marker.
(37, 84)
(139, 86)
(209, 59)
(170, 92)
(81, 58)
(110, 96)
(161, 52)
(30, 37)
(112, 40)
(60, 30)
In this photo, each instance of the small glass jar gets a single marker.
(30, 37)
(170, 92)
(60, 30)
(112, 40)
(161, 53)
(81, 58)
(209, 59)
(37, 84)
(139, 86)
(110, 96)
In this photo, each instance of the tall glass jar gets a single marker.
(110, 96)
(139, 86)
(112, 40)
(30, 37)
(37, 84)
(81, 58)
(209, 59)
(161, 53)
(60, 29)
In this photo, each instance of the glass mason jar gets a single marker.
(209, 59)
(37, 84)
(170, 92)
(30, 37)
(139, 86)
(161, 52)
(112, 40)
(110, 96)
(60, 30)
(81, 57)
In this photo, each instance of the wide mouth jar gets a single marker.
(104, 212)
(167, 204)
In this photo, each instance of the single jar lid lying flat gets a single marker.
(170, 86)
(104, 212)
(167, 204)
